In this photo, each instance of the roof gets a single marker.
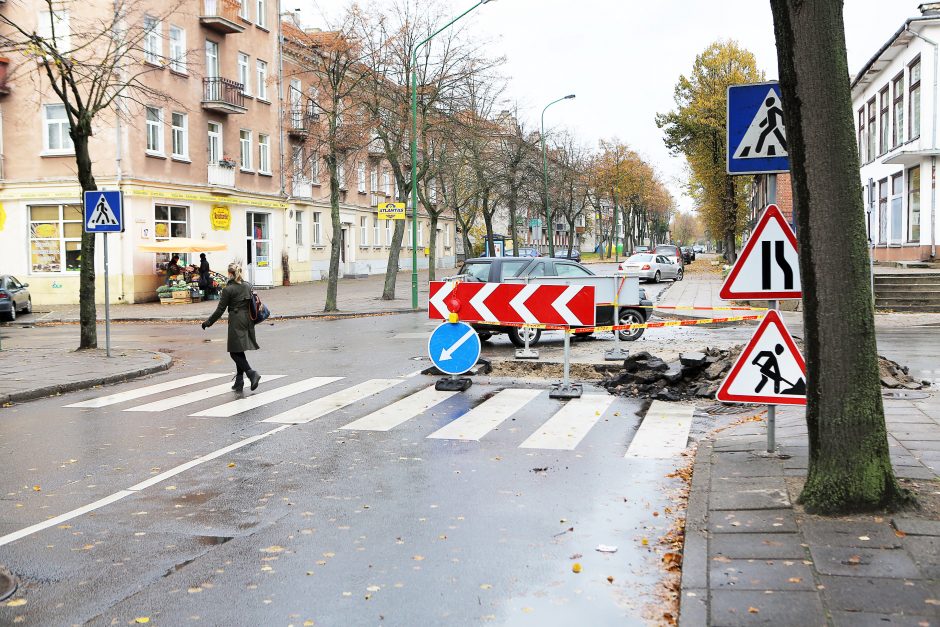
(890, 50)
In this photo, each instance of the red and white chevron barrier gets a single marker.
(570, 305)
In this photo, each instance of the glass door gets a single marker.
(260, 270)
(215, 143)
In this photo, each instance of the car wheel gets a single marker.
(12, 315)
(679, 274)
(657, 277)
(517, 336)
(631, 316)
(485, 336)
(29, 306)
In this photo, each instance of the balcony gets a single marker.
(222, 176)
(222, 95)
(301, 187)
(221, 16)
(300, 122)
(376, 148)
(376, 199)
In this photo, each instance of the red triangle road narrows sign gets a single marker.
(769, 265)
(770, 370)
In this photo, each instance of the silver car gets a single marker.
(652, 267)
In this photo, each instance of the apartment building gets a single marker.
(895, 101)
(218, 151)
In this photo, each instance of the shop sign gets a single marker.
(221, 218)
(46, 230)
(160, 229)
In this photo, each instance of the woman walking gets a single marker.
(241, 330)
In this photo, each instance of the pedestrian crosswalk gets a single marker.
(386, 404)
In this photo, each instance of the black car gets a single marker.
(498, 269)
(14, 297)
(574, 255)
(688, 254)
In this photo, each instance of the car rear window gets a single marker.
(479, 271)
(640, 258)
(667, 250)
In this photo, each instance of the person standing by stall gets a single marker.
(235, 297)
(205, 281)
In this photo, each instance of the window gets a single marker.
(170, 221)
(538, 270)
(410, 234)
(315, 168)
(913, 204)
(297, 163)
(214, 144)
(387, 182)
(511, 267)
(897, 200)
(212, 59)
(261, 16)
(479, 271)
(56, 138)
(861, 134)
(244, 75)
(883, 211)
(374, 180)
(388, 232)
(264, 154)
(244, 149)
(898, 122)
(420, 233)
(569, 269)
(262, 80)
(872, 131)
(180, 134)
(244, 11)
(299, 227)
(363, 231)
(54, 28)
(153, 41)
(361, 176)
(154, 130)
(446, 236)
(341, 173)
(376, 241)
(177, 49)
(316, 229)
(883, 123)
(913, 101)
(55, 238)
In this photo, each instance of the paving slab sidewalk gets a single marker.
(752, 558)
(355, 297)
(30, 373)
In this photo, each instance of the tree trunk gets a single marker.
(488, 223)
(88, 316)
(336, 242)
(512, 219)
(849, 464)
(432, 252)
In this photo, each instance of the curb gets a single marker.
(693, 591)
(62, 388)
(317, 315)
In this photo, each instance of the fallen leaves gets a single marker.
(273, 549)
(486, 586)
(753, 610)
(576, 567)
(142, 620)
(16, 603)
(418, 558)
(610, 579)
(36, 488)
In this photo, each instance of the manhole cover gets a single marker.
(907, 395)
(7, 583)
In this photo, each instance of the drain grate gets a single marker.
(907, 395)
(7, 584)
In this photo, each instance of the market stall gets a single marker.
(183, 286)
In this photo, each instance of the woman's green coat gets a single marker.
(241, 330)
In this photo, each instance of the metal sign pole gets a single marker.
(772, 409)
(526, 353)
(107, 301)
(616, 353)
(566, 390)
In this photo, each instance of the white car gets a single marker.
(652, 267)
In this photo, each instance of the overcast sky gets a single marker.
(622, 57)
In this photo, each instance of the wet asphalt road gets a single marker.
(314, 522)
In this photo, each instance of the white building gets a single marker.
(894, 97)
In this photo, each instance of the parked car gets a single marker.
(14, 297)
(652, 267)
(698, 248)
(498, 269)
(575, 254)
(669, 251)
(688, 255)
(529, 251)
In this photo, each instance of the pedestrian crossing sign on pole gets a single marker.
(757, 137)
(104, 212)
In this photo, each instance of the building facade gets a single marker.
(215, 152)
(894, 97)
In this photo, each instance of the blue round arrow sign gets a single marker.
(454, 347)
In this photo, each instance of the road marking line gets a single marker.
(265, 398)
(192, 397)
(401, 411)
(566, 429)
(117, 496)
(486, 416)
(113, 399)
(664, 432)
(333, 402)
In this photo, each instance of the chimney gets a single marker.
(930, 8)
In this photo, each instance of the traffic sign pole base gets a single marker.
(527, 353)
(453, 384)
(616, 354)
(572, 390)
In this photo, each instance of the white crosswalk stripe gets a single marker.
(663, 433)
(130, 395)
(566, 429)
(192, 397)
(265, 398)
(401, 411)
(333, 402)
(486, 416)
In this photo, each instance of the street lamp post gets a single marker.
(551, 241)
(414, 152)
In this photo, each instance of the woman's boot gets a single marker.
(239, 382)
(254, 377)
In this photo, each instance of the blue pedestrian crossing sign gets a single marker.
(104, 212)
(454, 347)
(757, 137)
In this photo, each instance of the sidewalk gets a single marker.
(28, 372)
(354, 296)
(753, 557)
